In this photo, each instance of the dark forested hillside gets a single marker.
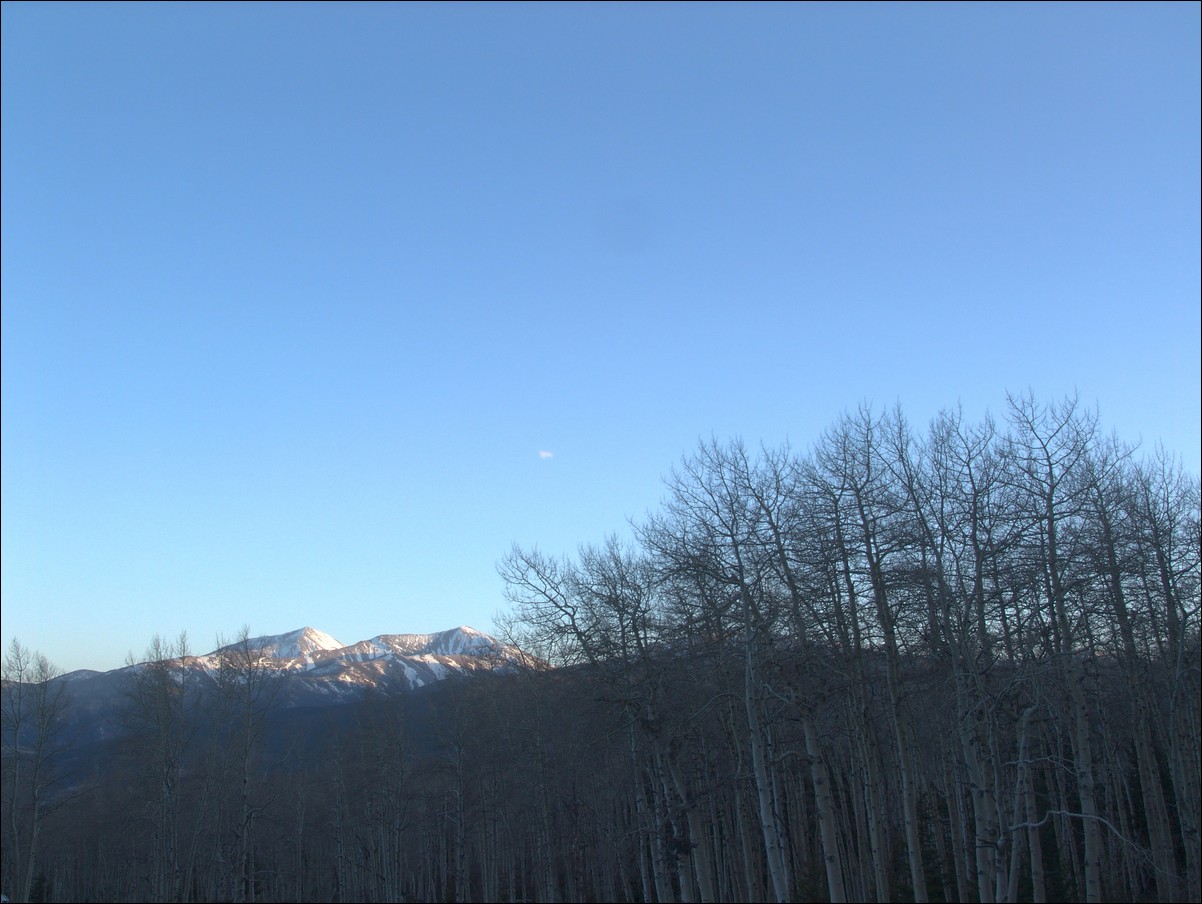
(959, 664)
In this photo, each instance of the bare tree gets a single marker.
(34, 703)
(1166, 504)
(1050, 450)
(853, 454)
(247, 686)
(713, 530)
(162, 722)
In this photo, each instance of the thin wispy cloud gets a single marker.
(543, 453)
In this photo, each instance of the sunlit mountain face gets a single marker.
(313, 667)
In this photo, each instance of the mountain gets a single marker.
(317, 669)
(306, 685)
(308, 668)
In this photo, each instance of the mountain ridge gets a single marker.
(317, 669)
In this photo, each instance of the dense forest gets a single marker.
(959, 664)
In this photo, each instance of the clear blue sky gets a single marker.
(310, 311)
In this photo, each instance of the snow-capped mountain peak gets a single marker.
(322, 666)
(303, 643)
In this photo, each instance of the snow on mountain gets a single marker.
(320, 669)
(461, 641)
(303, 644)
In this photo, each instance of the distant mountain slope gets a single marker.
(307, 679)
(313, 668)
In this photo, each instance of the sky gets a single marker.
(312, 311)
